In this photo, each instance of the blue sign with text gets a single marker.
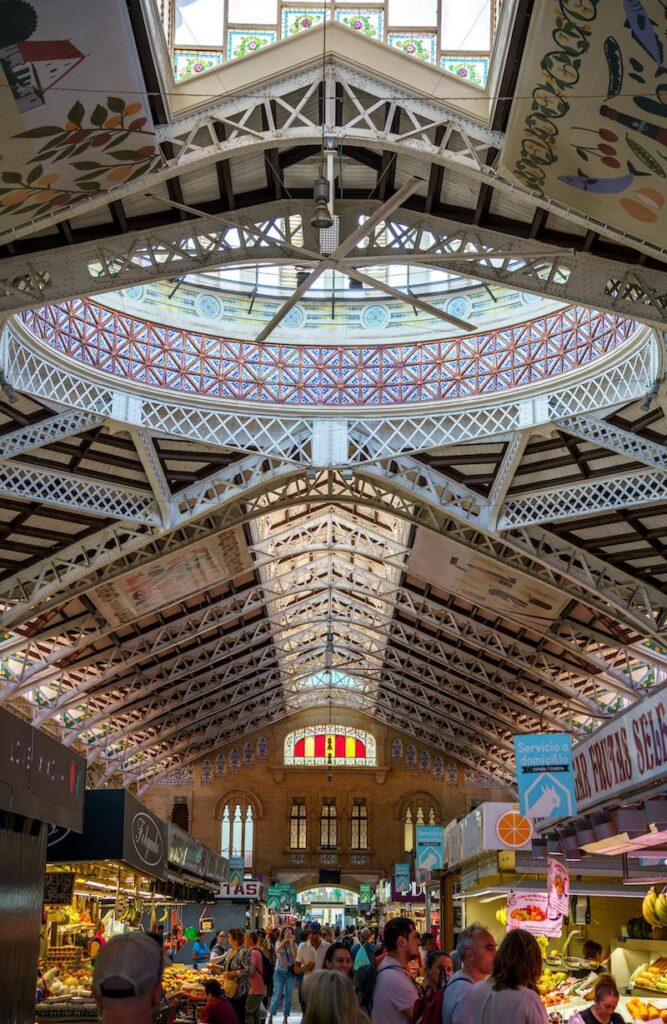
(544, 775)
(430, 850)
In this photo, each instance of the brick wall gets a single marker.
(271, 786)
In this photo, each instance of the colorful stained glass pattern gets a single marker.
(192, 62)
(248, 755)
(298, 19)
(262, 748)
(220, 766)
(396, 751)
(283, 374)
(410, 756)
(452, 774)
(234, 761)
(206, 772)
(474, 70)
(323, 744)
(421, 45)
(367, 21)
(438, 769)
(243, 42)
(424, 762)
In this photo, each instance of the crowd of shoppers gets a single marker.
(343, 978)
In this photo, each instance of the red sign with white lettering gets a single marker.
(629, 751)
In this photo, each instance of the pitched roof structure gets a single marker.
(213, 515)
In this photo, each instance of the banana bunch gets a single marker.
(654, 908)
(501, 916)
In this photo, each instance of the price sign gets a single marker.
(59, 888)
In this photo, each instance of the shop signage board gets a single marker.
(191, 856)
(249, 889)
(493, 826)
(115, 827)
(236, 871)
(412, 894)
(144, 838)
(545, 775)
(401, 877)
(59, 888)
(629, 752)
(530, 912)
(365, 893)
(41, 778)
(430, 850)
(558, 886)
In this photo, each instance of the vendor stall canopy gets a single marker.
(411, 464)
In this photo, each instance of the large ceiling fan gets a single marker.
(338, 260)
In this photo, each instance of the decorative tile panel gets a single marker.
(243, 42)
(474, 70)
(192, 62)
(326, 375)
(421, 45)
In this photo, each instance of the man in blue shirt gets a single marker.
(200, 952)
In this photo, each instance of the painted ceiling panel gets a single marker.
(75, 115)
(589, 125)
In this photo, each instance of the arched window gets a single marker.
(330, 744)
(414, 810)
(237, 829)
(359, 820)
(408, 831)
(329, 824)
(298, 825)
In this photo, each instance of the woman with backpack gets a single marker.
(428, 1008)
(257, 981)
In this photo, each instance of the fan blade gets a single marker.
(398, 198)
(410, 300)
(294, 298)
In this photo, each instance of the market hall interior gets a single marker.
(333, 477)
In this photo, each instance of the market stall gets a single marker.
(127, 870)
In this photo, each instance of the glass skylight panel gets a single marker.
(257, 12)
(199, 22)
(420, 13)
(466, 27)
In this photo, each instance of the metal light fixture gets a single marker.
(322, 218)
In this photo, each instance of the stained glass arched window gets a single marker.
(330, 744)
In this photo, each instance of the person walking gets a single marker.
(395, 992)
(331, 1000)
(256, 982)
(509, 994)
(284, 977)
(310, 956)
(127, 979)
(476, 948)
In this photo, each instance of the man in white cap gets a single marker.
(127, 979)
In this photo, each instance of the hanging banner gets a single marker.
(402, 877)
(430, 854)
(558, 887)
(365, 893)
(235, 872)
(545, 776)
(530, 912)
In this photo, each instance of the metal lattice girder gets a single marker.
(30, 367)
(331, 529)
(414, 717)
(200, 244)
(502, 481)
(108, 663)
(66, 490)
(398, 710)
(55, 428)
(542, 556)
(623, 442)
(552, 504)
(164, 500)
(539, 669)
(81, 566)
(181, 673)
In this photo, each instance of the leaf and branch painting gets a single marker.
(112, 143)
